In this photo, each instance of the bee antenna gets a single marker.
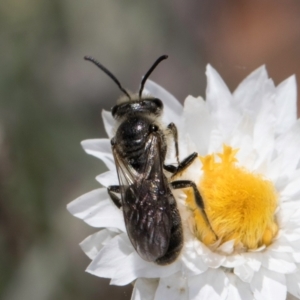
(108, 73)
(163, 57)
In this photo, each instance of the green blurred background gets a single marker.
(51, 99)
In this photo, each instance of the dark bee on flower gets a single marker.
(139, 148)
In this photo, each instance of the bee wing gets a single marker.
(127, 175)
(146, 202)
(153, 167)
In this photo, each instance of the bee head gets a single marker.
(149, 106)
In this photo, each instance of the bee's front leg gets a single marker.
(174, 132)
(112, 189)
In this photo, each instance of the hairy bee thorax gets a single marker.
(138, 119)
(132, 139)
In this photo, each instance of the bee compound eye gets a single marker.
(113, 141)
(114, 110)
(158, 103)
(153, 128)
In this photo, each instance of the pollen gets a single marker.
(239, 205)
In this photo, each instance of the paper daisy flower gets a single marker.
(246, 242)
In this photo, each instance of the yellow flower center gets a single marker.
(239, 205)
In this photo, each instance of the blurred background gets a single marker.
(51, 99)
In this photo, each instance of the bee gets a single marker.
(139, 148)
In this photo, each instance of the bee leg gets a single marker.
(170, 168)
(112, 189)
(182, 165)
(186, 162)
(181, 184)
(173, 129)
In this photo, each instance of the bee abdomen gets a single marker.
(176, 240)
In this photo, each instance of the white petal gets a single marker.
(290, 237)
(254, 260)
(108, 178)
(293, 222)
(233, 261)
(100, 148)
(196, 112)
(214, 260)
(288, 146)
(289, 215)
(219, 101)
(144, 289)
(193, 263)
(111, 257)
(296, 215)
(173, 287)
(249, 93)
(279, 262)
(216, 141)
(293, 284)
(211, 259)
(97, 210)
(282, 244)
(269, 285)
(109, 123)
(242, 139)
(292, 190)
(227, 247)
(217, 92)
(244, 272)
(212, 284)
(274, 170)
(119, 261)
(296, 257)
(286, 104)
(296, 245)
(238, 290)
(284, 214)
(263, 135)
(94, 243)
(134, 267)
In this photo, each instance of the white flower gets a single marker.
(251, 247)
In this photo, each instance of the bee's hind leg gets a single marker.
(112, 189)
(181, 184)
(182, 165)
